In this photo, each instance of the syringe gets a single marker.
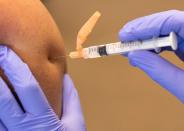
(122, 48)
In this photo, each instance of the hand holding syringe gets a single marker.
(159, 69)
(118, 47)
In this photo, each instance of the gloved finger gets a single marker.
(160, 70)
(23, 81)
(72, 112)
(153, 25)
(180, 51)
(2, 127)
(8, 104)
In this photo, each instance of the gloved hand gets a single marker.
(160, 70)
(37, 114)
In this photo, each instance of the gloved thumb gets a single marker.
(72, 117)
(160, 70)
(71, 102)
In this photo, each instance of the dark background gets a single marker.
(114, 95)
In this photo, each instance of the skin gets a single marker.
(28, 29)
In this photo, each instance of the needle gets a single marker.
(60, 57)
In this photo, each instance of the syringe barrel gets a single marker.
(91, 52)
(121, 48)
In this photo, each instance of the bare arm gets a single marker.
(27, 28)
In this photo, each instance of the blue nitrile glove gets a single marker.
(38, 114)
(160, 70)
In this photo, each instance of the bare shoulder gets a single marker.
(27, 27)
(28, 21)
